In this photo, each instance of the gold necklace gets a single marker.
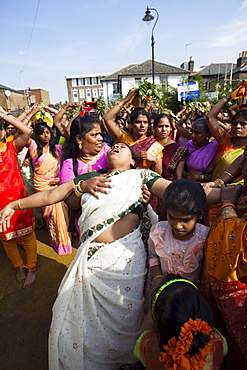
(87, 159)
(116, 172)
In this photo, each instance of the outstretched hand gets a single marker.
(5, 215)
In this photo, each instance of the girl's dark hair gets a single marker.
(185, 196)
(240, 113)
(38, 130)
(203, 123)
(162, 115)
(136, 112)
(176, 304)
(79, 127)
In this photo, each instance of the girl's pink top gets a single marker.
(177, 256)
(98, 163)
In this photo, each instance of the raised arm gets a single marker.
(211, 116)
(24, 131)
(112, 113)
(179, 125)
(60, 120)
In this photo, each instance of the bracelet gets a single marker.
(4, 114)
(158, 276)
(19, 204)
(229, 174)
(27, 118)
(156, 161)
(77, 190)
(219, 182)
(227, 205)
(119, 104)
(225, 100)
(63, 110)
(202, 177)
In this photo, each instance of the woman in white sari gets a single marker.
(98, 311)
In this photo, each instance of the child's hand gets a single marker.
(146, 195)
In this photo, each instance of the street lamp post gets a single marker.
(147, 18)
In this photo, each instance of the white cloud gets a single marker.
(244, 4)
(230, 34)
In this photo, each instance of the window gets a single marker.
(74, 82)
(95, 93)
(87, 81)
(101, 93)
(82, 93)
(75, 96)
(88, 95)
(115, 88)
(94, 81)
(81, 82)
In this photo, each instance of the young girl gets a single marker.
(180, 334)
(176, 245)
(46, 162)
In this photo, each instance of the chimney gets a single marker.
(242, 59)
(191, 65)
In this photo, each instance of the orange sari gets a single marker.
(46, 168)
(225, 281)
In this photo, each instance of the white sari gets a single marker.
(98, 312)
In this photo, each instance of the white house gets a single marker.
(122, 81)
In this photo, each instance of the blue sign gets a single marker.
(188, 91)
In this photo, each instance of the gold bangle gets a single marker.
(77, 190)
(63, 110)
(119, 104)
(229, 174)
(219, 182)
(228, 205)
(19, 204)
(158, 276)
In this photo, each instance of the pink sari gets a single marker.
(46, 169)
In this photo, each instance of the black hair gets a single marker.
(136, 112)
(203, 123)
(175, 305)
(162, 115)
(185, 196)
(79, 127)
(2, 124)
(38, 130)
(240, 113)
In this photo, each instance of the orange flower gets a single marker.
(177, 353)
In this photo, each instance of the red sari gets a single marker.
(12, 188)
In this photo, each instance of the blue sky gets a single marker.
(49, 39)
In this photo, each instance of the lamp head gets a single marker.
(148, 16)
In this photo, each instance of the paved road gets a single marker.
(25, 314)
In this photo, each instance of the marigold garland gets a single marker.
(177, 353)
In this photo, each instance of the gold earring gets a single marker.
(80, 146)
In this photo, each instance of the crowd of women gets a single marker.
(155, 221)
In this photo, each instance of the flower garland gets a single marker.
(177, 353)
